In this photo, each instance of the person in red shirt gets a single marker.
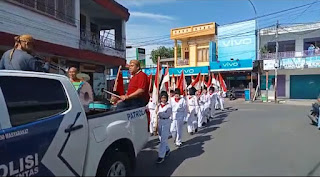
(137, 94)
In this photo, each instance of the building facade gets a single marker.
(298, 64)
(88, 34)
(195, 42)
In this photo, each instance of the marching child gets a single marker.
(193, 104)
(152, 110)
(203, 102)
(164, 115)
(179, 112)
(212, 97)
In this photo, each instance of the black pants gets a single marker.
(131, 104)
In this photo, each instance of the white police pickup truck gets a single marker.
(44, 130)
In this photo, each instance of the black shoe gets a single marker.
(191, 133)
(167, 153)
(196, 130)
(204, 124)
(160, 160)
(151, 134)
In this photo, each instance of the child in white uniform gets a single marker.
(212, 98)
(204, 108)
(193, 104)
(164, 121)
(152, 110)
(179, 112)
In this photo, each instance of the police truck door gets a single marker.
(44, 135)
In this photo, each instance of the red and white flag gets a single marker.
(182, 83)
(196, 83)
(150, 82)
(173, 82)
(217, 81)
(165, 81)
(222, 83)
(118, 84)
(202, 81)
(192, 79)
(214, 81)
(155, 91)
(208, 84)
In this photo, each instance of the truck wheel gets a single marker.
(117, 164)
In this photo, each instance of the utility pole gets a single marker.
(276, 65)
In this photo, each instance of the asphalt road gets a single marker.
(257, 139)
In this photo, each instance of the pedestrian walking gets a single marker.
(192, 120)
(152, 110)
(179, 112)
(164, 120)
(212, 99)
(203, 102)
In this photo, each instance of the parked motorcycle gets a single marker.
(232, 94)
(314, 114)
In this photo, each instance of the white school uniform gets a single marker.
(164, 117)
(203, 102)
(192, 120)
(220, 101)
(152, 110)
(179, 112)
(212, 98)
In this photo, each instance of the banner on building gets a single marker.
(188, 71)
(293, 63)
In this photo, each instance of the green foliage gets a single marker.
(163, 52)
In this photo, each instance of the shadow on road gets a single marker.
(191, 148)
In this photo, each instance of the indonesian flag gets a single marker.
(155, 91)
(222, 83)
(118, 85)
(208, 84)
(165, 81)
(192, 79)
(173, 82)
(202, 81)
(214, 81)
(150, 82)
(217, 81)
(196, 83)
(182, 84)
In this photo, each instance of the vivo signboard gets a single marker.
(231, 65)
(189, 70)
(238, 42)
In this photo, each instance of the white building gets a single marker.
(88, 34)
(299, 71)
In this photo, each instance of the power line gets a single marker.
(305, 10)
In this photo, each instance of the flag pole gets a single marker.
(157, 102)
(116, 81)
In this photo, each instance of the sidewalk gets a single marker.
(298, 102)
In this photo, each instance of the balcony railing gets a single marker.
(289, 54)
(182, 62)
(98, 43)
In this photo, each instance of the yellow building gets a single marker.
(194, 44)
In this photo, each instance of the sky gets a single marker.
(151, 20)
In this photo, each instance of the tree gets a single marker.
(163, 52)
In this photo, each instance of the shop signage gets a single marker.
(293, 63)
(189, 70)
(231, 65)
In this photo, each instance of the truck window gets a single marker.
(31, 99)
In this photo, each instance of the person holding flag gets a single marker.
(222, 92)
(204, 108)
(137, 94)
